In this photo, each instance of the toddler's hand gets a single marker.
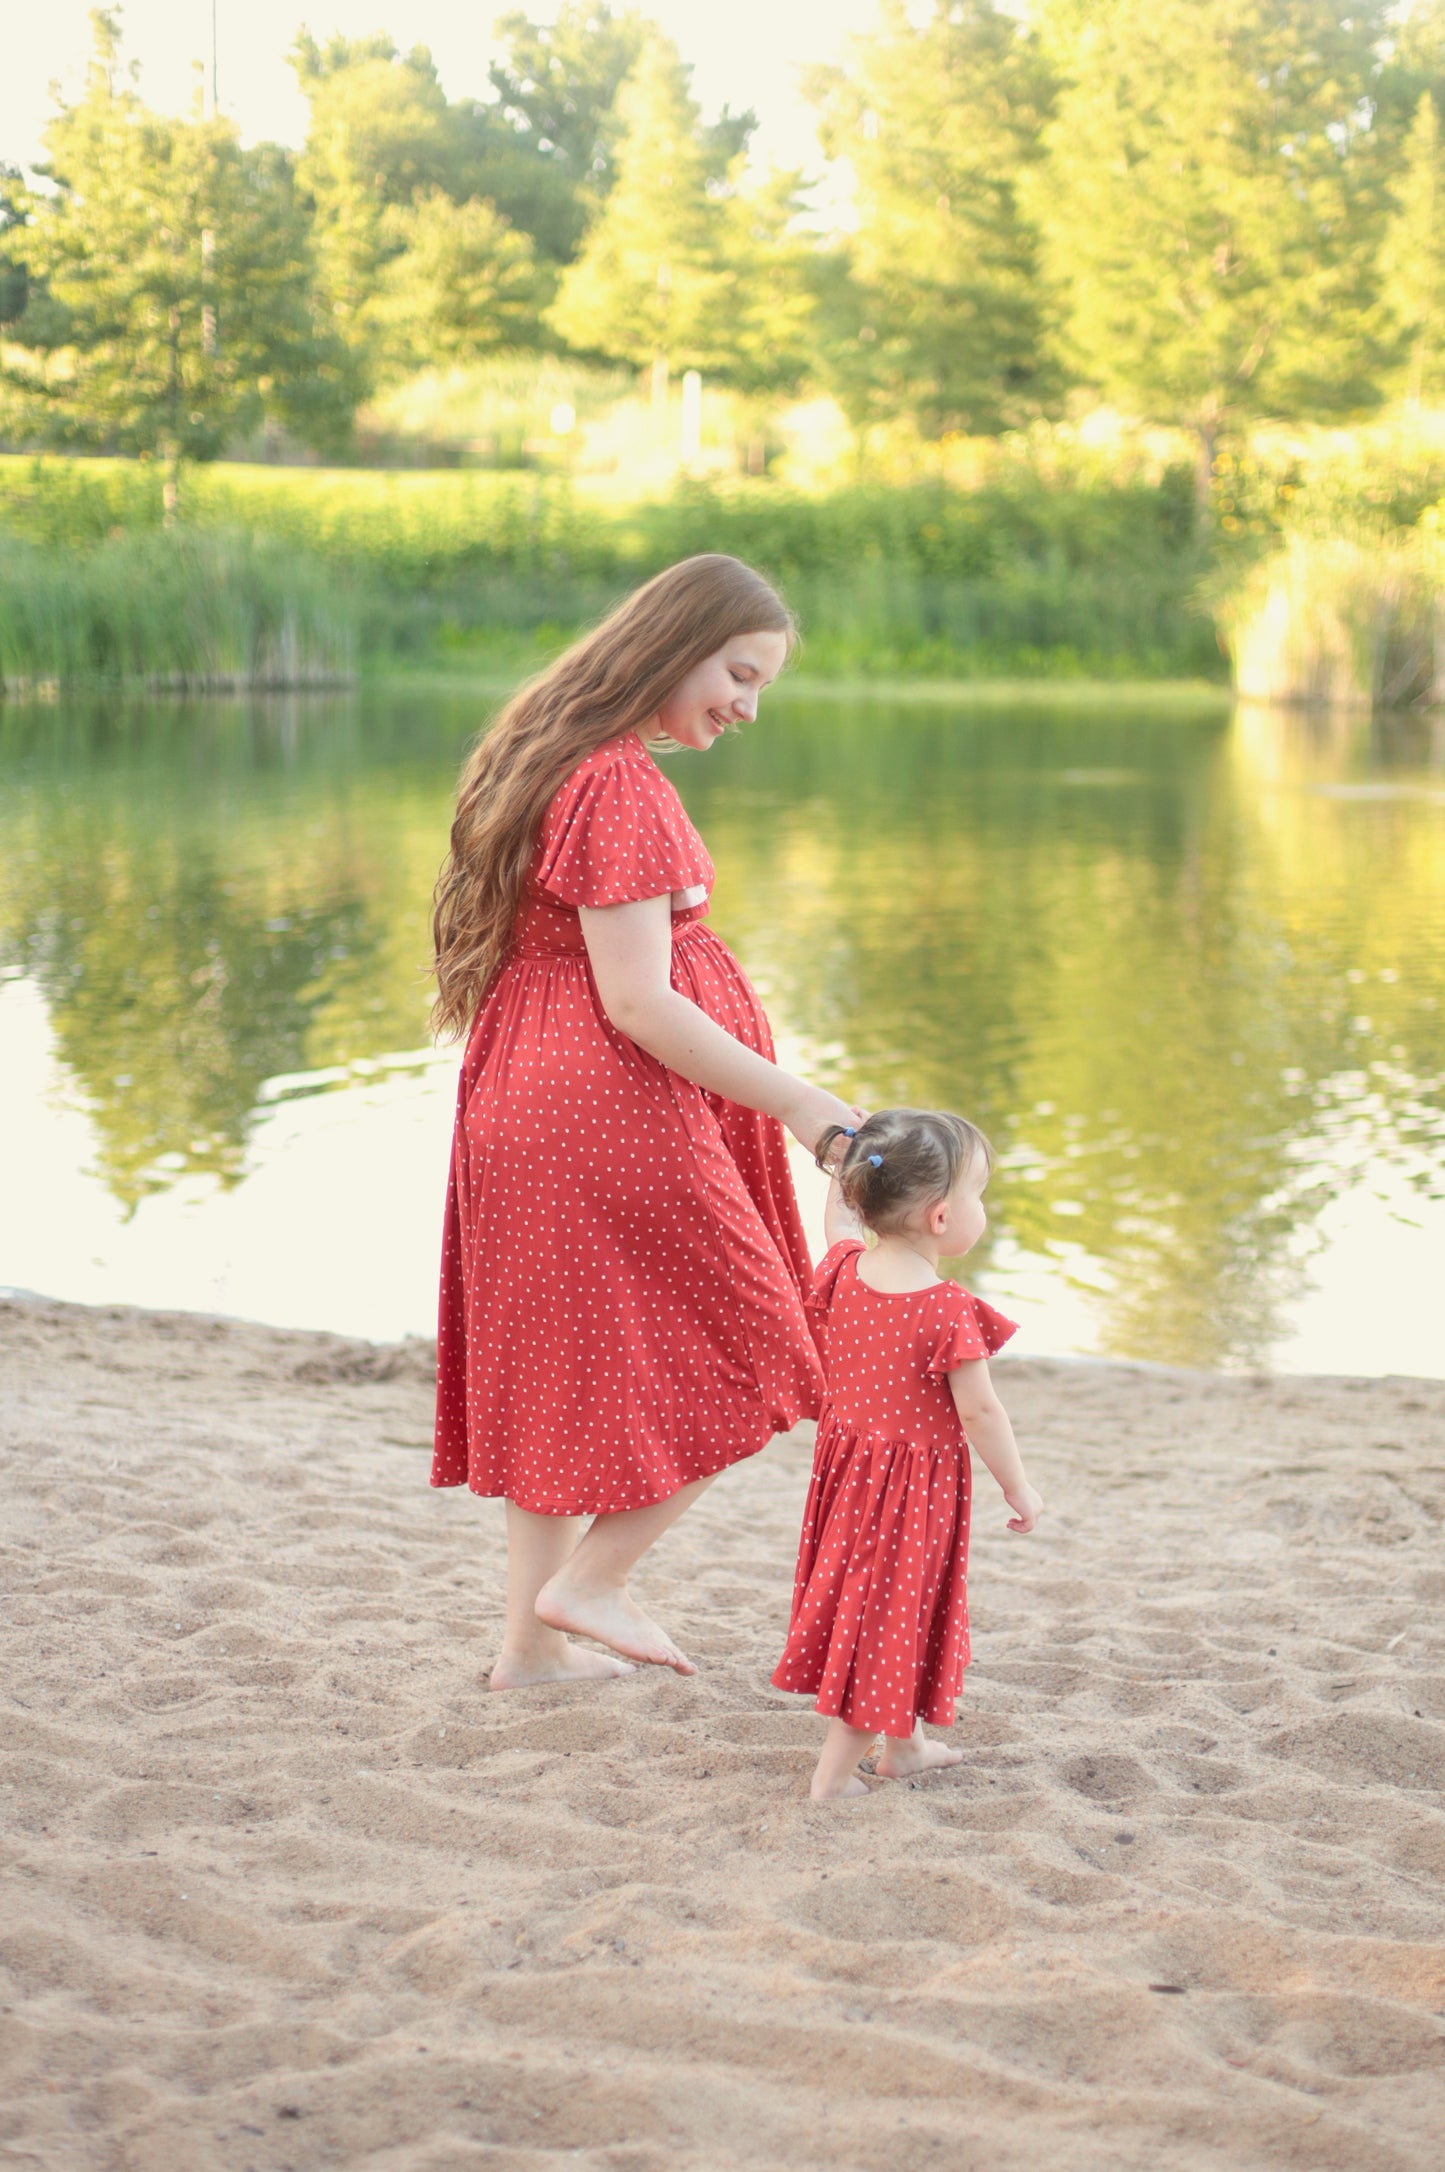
(1027, 1504)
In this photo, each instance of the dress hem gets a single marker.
(773, 1427)
(845, 1709)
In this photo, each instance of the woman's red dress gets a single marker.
(880, 1603)
(623, 1265)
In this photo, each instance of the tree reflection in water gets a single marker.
(1188, 972)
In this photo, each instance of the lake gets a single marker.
(1186, 966)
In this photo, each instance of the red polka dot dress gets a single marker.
(879, 1627)
(624, 1269)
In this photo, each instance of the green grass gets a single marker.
(172, 608)
(1018, 579)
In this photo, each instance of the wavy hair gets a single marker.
(611, 681)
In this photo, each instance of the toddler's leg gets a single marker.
(837, 1772)
(903, 1755)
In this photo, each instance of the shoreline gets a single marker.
(891, 685)
(285, 1884)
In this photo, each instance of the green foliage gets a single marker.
(380, 131)
(650, 284)
(1342, 620)
(557, 87)
(1018, 576)
(1414, 263)
(461, 283)
(14, 282)
(172, 606)
(170, 302)
(1212, 205)
(942, 316)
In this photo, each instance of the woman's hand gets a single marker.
(810, 1114)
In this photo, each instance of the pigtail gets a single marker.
(901, 1160)
(827, 1140)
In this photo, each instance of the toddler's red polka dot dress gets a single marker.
(623, 1267)
(880, 1604)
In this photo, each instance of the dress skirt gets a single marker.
(624, 1266)
(879, 1627)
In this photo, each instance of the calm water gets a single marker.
(1187, 969)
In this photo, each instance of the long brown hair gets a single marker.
(611, 681)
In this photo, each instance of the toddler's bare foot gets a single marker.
(829, 1790)
(609, 1616)
(562, 1662)
(901, 1757)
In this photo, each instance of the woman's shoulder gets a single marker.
(615, 830)
(620, 769)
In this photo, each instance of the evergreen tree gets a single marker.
(171, 285)
(1212, 206)
(380, 130)
(1414, 260)
(649, 283)
(556, 87)
(942, 317)
(14, 286)
(461, 283)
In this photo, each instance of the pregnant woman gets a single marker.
(623, 1264)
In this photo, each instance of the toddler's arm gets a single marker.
(986, 1423)
(839, 1220)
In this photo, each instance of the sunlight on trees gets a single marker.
(170, 284)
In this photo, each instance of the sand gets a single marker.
(285, 1887)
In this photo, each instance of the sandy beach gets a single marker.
(284, 1887)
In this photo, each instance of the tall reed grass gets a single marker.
(1345, 621)
(173, 607)
(1018, 577)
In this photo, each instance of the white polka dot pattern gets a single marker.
(623, 1264)
(879, 1625)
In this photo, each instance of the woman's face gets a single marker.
(723, 689)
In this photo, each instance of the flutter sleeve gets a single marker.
(966, 1329)
(615, 832)
(825, 1277)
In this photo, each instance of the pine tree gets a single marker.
(649, 283)
(939, 123)
(461, 283)
(1212, 206)
(170, 305)
(380, 131)
(1414, 260)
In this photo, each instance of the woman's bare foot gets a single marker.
(903, 1755)
(609, 1615)
(554, 1659)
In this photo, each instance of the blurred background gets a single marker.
(1077, 369)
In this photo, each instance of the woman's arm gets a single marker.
(630, 947)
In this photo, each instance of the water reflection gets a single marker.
(1187, 971)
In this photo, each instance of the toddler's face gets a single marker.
(964, 1220)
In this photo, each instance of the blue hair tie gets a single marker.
(849, 1131)
(876, 1160)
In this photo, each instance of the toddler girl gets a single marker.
(879, 1627)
